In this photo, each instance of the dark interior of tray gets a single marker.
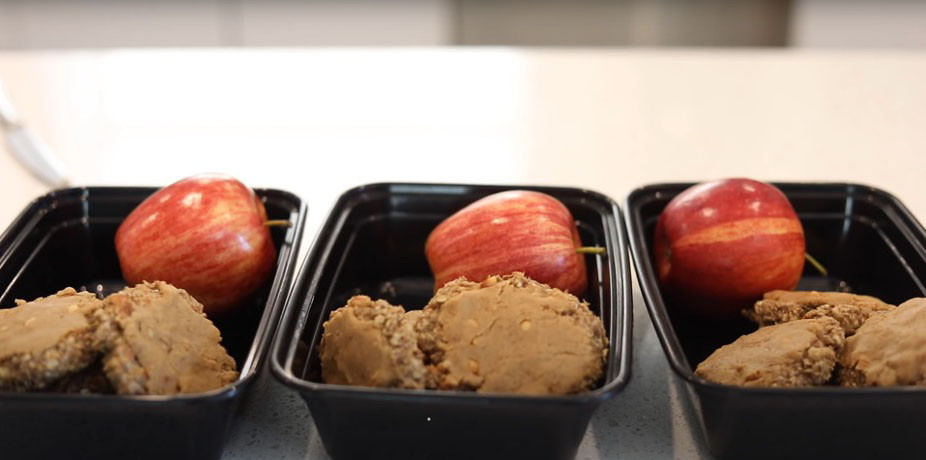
(72, 244)
(854, 237)
(380, 253)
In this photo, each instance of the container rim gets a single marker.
(658, 312)
(288, 337)
(254, 361)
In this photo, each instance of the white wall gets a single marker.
(858, 24)
(28, 24)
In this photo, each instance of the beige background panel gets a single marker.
(605, 120)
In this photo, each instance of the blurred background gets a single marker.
(30, 24)
(663, 90)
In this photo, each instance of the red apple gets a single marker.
(509, 231)
(720, 245)
(204, 234)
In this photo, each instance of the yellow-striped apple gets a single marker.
(720, 245)
(515, 230)
(204, 234)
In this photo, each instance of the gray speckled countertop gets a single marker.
(650, 419)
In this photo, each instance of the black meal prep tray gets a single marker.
(65, 238)
(870, 244)
(373, 243)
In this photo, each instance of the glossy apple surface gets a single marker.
(720, 245)
(204, 234)
(509, 231)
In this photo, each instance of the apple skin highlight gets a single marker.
(719, 246)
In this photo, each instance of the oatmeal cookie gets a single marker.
(889, 349)
(851, 310)
(511, 334)
(157, 341)
(793, 354)
(46, 339)
(372, 343)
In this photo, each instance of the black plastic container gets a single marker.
(65, 239)
(871, 244)
(373, 243)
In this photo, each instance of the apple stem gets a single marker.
(591, 250)
(816, 264)
(277, 223)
